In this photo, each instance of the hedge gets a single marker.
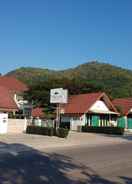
(60, 132)
(105, 130)
(40, 130)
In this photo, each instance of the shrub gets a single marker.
(62, 132)
(106, 130)
(51, 131)
(40, 130)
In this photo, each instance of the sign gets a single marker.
(58, 95)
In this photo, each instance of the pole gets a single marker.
(58, 116)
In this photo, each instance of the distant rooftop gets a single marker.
(12, 84)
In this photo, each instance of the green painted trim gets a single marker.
(121, 122)
(129, 123)
(95, 120)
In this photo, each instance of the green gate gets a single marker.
(129, 123)
(95, 120)
(121, 122)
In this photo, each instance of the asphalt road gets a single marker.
(77, 165)
(102, 164)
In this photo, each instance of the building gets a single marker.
(7, 103)
(38, 113)
(13, 84)
(92, 109)
(125, 107)
(12, 98)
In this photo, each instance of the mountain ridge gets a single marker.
(114, 80)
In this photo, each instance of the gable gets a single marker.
(99, 105)
(130, 111)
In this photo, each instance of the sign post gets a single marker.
(58, 115)
(58, 96)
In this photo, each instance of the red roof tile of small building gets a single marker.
(7, 102)
(80, 104)
(12, 84)
(124, 103)
(38, 112)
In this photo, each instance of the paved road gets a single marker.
(102, 164)
(78, 165)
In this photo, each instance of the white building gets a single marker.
(92, 109)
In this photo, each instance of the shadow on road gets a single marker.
(20, 164)
(126, 180)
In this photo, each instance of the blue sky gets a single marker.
(60, 34)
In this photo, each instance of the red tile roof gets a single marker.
(80, 104)
(124, 103)
(12, 84)
(7, 102)
(38, 112)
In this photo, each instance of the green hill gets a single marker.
(88, 77)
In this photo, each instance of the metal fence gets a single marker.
(41, 122)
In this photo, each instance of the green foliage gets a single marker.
(49, 111)
(89, 77)
(119, 109)
(49, 131)
(40, 130)
(62, 132)
(105, 130)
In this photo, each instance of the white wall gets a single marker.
(16, 126)
(84, 119)
(75, 121)
(3, 123)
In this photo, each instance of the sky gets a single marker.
(60, 34)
